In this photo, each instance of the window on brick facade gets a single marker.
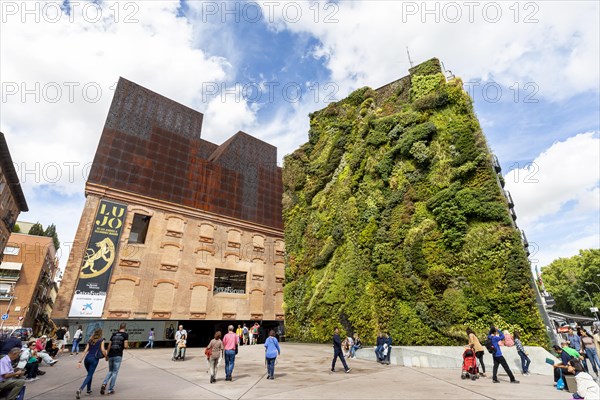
(229, 281)
(139, 228)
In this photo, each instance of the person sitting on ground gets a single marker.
(51, 347)
(29, 362)
(40, 347)
(346, 345)
(8, 375)
(587, 388)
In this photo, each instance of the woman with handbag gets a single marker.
(213, 352)
(93, 353)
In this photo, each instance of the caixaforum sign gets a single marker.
(98, 261)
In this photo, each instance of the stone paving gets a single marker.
(302, 372)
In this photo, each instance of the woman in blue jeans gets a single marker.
(525, 361)
(94, 351)
(588, 346)
(272, 350)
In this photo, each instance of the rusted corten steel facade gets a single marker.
(151, 146)
(210, 208)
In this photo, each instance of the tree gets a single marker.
(16, 228)
(564, 277)
(51, 232)
(36, 230)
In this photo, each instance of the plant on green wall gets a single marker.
(394, 221)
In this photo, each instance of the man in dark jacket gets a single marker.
(379, 348)
(496, 336)
(337, 351)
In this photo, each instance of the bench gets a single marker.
(571, 383)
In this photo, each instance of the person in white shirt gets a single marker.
(76, 339)
(180, 335)
(587, 388)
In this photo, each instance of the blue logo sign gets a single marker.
(4, 317)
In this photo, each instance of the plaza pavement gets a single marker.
(302, 372)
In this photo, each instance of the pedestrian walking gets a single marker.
(76, 339)
(255, 332)
(230, 346)
(246, 334)
(213, 352)
(60, 339)
(495, 335)
(150, 339)
(475, 344)
(337, 351)
(93, 353)
(272, 350)
(118, 342)
(240, 334)
(525, 361)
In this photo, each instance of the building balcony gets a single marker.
(509, 199)
(5, 296)
(496, 164)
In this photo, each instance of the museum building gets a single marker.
(175, 229)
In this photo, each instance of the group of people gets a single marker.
(96, 350)
(495, 340)
(247, 335)
(579, 347)
(227, 349)
(20, 362)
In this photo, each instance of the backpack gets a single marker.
(489, 345)
(560, 384)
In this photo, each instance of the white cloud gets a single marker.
(153, 47)
(367, 46)
(567, 171)
(557, 198)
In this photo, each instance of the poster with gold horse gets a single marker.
(98, 260)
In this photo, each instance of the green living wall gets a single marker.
(394, 221)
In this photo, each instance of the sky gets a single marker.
(532, 69)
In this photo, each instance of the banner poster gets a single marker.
(98, 260)
(138, 331)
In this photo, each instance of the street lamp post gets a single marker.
(590, 299)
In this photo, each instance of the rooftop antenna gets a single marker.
(409, 60)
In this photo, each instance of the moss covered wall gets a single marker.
(394, 220)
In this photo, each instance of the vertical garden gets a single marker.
(394, 221)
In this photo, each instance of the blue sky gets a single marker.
(548, 50)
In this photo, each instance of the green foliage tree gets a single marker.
(394, 221)
(36, 230)
(51, 232)
(16, 228)
(565, 276)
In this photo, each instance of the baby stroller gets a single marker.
(469, 367)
